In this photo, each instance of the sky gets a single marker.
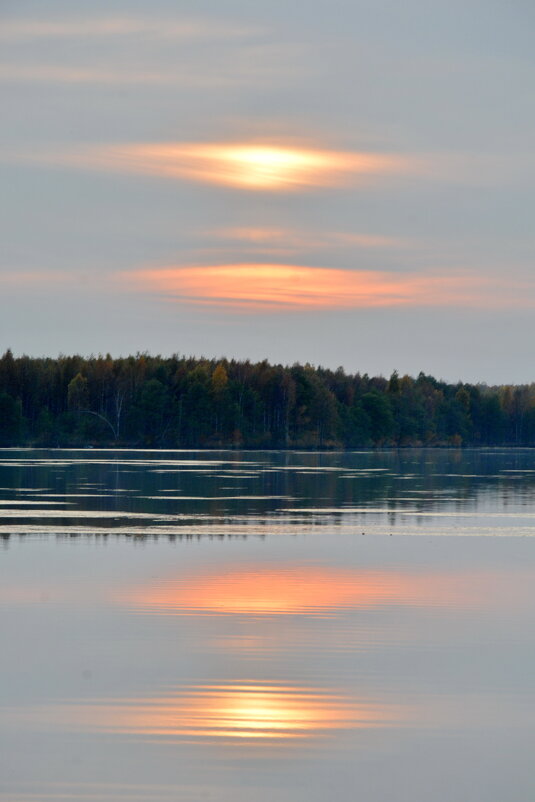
(349, 182)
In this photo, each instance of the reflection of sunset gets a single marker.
(275, 286)
(245, 166)
(234, 710)
(308, 590)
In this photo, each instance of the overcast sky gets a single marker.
(341, 183)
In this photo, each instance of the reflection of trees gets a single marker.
(253, 492)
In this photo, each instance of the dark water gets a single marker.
(215, 626)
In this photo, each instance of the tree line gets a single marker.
(186, 402)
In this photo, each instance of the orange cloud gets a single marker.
(276, 287)
(241, 165)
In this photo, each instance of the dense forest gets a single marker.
(179, 402)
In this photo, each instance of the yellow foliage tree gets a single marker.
(219, 379)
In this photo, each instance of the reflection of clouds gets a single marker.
(260, 591)
(279, 286)
(235, 710)
(30, 595)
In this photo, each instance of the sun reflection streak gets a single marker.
(245, 710)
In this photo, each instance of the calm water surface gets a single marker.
(266, 626)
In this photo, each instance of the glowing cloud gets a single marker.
(244, 166)
(276, 287)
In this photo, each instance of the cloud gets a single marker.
(57, 74)
(292, 239)
(275, 287)
(478, 168)
(271, 243)
(13, 30)
(194, 54)
(249, 67)
(248, 165)
(31, 278)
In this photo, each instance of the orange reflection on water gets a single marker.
(279, 286)
(257, 166)
(245, 710)
(251, 590)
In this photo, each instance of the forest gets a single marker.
(186, 402)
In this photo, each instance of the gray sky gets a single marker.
(335, 182)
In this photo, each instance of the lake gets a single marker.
(282, 626)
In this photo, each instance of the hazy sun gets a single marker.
(271, 167)
(245, 165)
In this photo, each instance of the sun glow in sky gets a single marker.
(360, 172)
(247, 166)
